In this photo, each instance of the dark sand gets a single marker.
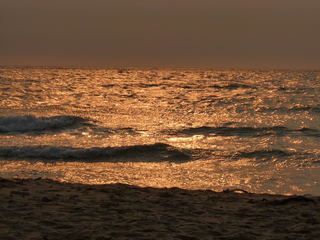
(44, 209)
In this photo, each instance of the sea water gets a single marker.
(191, 128)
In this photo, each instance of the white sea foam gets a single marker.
(27, 123)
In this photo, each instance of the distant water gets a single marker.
(195, 129)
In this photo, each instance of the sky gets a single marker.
(156, 33)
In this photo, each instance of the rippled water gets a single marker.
(196, 129)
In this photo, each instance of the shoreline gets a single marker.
(46, 209)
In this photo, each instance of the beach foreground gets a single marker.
(45, 209)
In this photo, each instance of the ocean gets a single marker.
(189, 128)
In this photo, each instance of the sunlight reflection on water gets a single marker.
(254, 130)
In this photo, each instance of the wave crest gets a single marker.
(138, 153)
(29, 123)
(249, 131)
(263, 154)
(235, 131)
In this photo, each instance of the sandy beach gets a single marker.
(45, 209)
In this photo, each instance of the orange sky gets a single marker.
(208, 33)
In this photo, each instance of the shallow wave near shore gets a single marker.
(249, 131)
(193, 128)
(154, 152)
(26, 124)
(29, 123)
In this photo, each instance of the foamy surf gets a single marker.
(248, 131)
(151, 153)
(30, 123)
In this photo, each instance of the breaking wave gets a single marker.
(232, 86)
(312, 110)
(29, 123)
(291, 158)
(248, 131)
(263, 154)
(138, 153)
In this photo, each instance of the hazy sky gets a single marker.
(209, 33)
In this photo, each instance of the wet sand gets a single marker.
(45, 209)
